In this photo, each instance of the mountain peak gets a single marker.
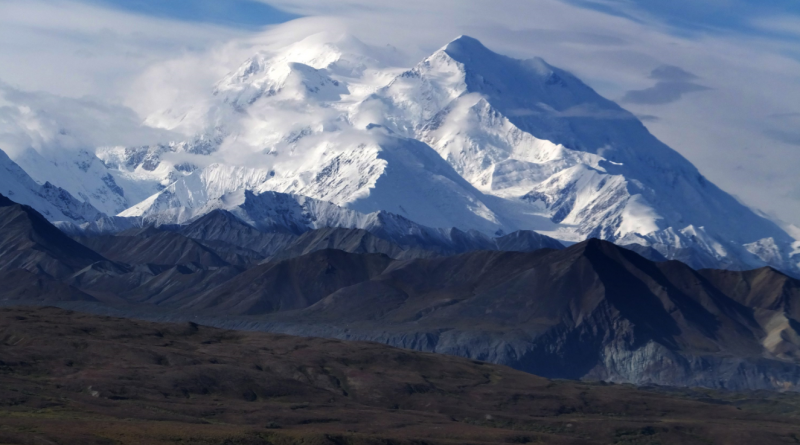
(5, 202)
(465, 43)
(38, 244)
(595, 246)
(470, 51)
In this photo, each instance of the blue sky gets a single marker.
(700, 15)
(236, 13)
(683, 16)
(679, 17)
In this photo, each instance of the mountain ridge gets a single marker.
(593, 310)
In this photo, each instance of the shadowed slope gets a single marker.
(764, 288)
(22, 285)
(348, 240)
(290, 284)
(28, 241)
(220, 227)
(591, 310)
(153, 246)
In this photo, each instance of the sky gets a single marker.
(717, 80)
(242, 14)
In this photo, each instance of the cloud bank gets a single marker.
(44, 121)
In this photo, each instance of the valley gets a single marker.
(68, 377)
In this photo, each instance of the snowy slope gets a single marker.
(81, 173)
(384, 172)
(53, 202)
(114, 178)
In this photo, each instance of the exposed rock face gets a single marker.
(593, 310)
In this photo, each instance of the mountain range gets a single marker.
(473, 205)
(467, 139)
(593, 310)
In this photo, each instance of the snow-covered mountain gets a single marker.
(51, 201)
(467, 138)
(109, 178)
(524, 130)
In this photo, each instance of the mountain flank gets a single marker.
(28, 241)
(593, 310)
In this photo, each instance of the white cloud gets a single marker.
(73, 49)
(44, 121)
